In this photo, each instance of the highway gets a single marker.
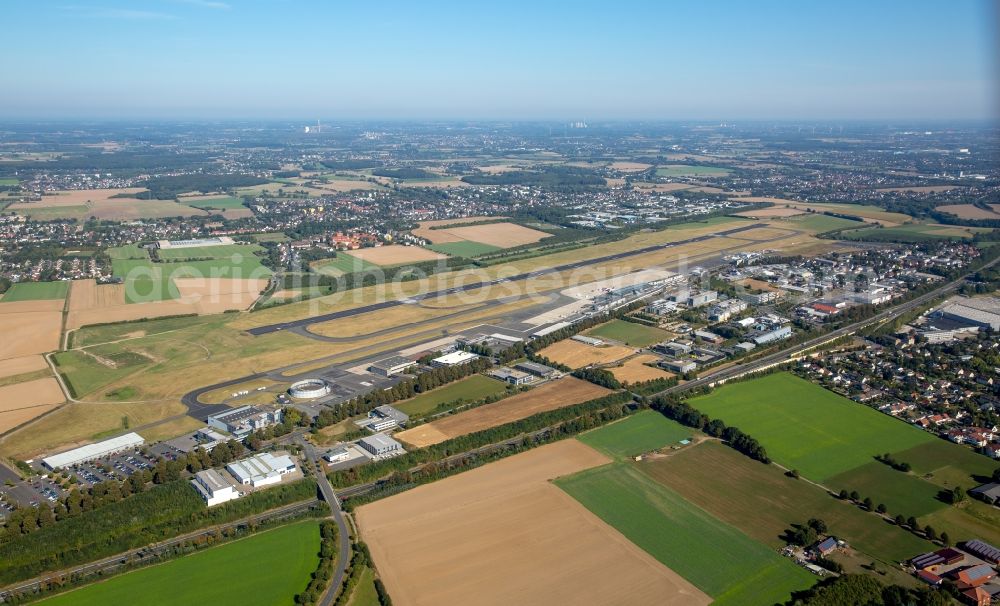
(346, 313)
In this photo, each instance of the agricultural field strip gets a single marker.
(260, 330)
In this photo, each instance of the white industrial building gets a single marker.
(455, 358)
(391, 366)
(129, 441)
(381, 446)
(261, 469)
(244, 420)
(587, 340)
(213, 487)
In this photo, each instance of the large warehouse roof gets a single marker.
(93, 451)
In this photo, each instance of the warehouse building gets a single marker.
(539, 370)
(262, 469)
(983, 312)
(455, 358)
(381, 446)
(774, 335)
(509, 375)
(395, 365)
(129, 441)
(243, 421)
(213, 487)
(588, 340)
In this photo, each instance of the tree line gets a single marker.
(685, 414)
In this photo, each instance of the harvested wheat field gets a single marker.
(577, 355)
(40, 392)
(77, 197)
(202, 296)
(629, 167)
(770, 213)
(15, 418)
(549, 396)
(29, 327)
(636, 371)
(21, 365)
(395, 254)
(504, 534)
(442, 236)
(970, 211)
(504, 235)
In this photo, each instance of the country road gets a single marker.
(343, 533)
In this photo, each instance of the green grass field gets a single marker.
(468, 389)
(271, 237)
(224, 251)
(342, 264)
(36, 291)
(948, 465)
(9, 182)
(629, 333)
(823, 223)
(900, 492)
(714, 556)
(129, 251)
(914, 232)
(642, 432)
(364, 593)
(466, 248)
(84, 374)
(710, 474)
(683, 170)
(281, 559)
(148, 281)
(221, 203)
(803, 426)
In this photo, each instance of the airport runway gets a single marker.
(347, 313)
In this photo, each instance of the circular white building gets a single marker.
(309, 389)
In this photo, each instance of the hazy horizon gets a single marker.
(637, 61)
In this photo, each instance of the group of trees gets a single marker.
(569, 420)
(685, 414)
(168, 187)
(806, 534)
(865, 590)
(407, 388)
(156, 514)
(889, 460)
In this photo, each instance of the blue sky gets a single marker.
(426, 59)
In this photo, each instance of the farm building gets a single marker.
(380, 446)
(974, 576)
(129, 441)
(455, 358)
(391, 366)
(539, 370)
(244, 420)
(987, 492)
(934, 559)
(826, 546)
(261, 469)
(514, 377)
(983, 550)
(213, 487)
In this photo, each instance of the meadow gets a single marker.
(629, 333)
(820, 223)
(147, 281)
(9, 182)
(465, 248)
(709, 474)
(468, 389)
(282, 558)
(914, 232)
(642, 432)
(342, 264)
(803, 426)
(225, 251)
(36, 291)
(716, 557)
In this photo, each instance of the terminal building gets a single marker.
(213, 487)
(127, 442)
(262, 469)
(243, 421)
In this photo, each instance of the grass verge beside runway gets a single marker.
(717, 558)
(468, 389)
(282, 560)
(629, 333)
